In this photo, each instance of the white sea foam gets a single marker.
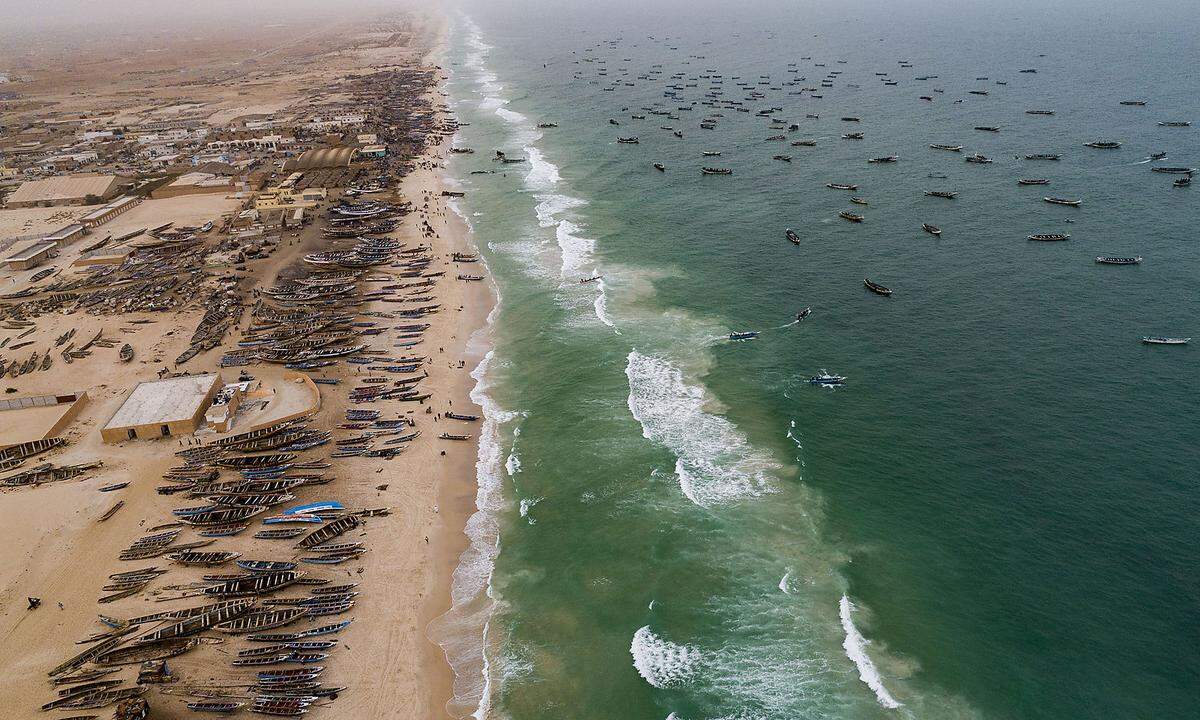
(601, 306)
(785, 582)
(513, 464)
(511, 116)
(527, 504)
(662, 663)
(714, 462)
(576, 249)
(856, 649)
(542, 174)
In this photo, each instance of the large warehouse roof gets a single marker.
(163, 401)
(65, 187)
(322, 158)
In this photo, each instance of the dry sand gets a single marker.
(54, 547)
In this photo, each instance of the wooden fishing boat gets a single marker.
(279, 533)
(330, 629)
(1165, 341)
(251, 500)
(223, 530)
(126, 353)
(1050, 237)
(141, 652)
(210, 615)
(876, 288)
(254, 585)
(263, 620)
(931, 229)
(235, 440)
(328, 532)
(841, 186)
(132, 709)
(222, 516)
(215, 706)
(941, 194)
(280, 707)
(1111, 260)
(238, 462)
(1103, 144)
(92, 700)
(266, 565)
(1063, 201)
(851, 216)
(185, 613)
(191, 557)
(1037, 181)
(715, 171)
(792, 236)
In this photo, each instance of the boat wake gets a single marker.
(715, 463)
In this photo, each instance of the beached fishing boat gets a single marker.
(144, 651)
(266, 565)
(192, 557)
(328, 532)
(254, 584)
(225, 707)
(263, 620)
(126, 353)
(876, 287)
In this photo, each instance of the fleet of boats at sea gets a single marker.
(715, 99)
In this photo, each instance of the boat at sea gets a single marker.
(782, 158)
(931, 229)
(546, 125)
(792, 236)
(744, 335)
(1136, 103)
(1174, 170)
(1176, 123)
(1035, 181)
(803, 314)
(825, 379)
(951, 148)
(1050, 237)
(1103, 144)
(884, 159)
(1063, 201)
(852, 136)
(876, 287)
(840, 186)
(987, 128)
(804, 143)
(660, 167)
(710, 153)
(851, 216)
(859, 201)
(1043, 156)
(942, 194)
(978, 159)
(1113, 260)
(1158, 155)
(1182, 182)
(628, 140)
(715, 171)
(592, 279)
(1039, 112)
(1166, 340)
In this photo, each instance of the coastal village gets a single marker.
(235, 423)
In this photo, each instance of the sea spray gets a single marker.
(856, 649)
(715, 463)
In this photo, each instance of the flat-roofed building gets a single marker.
(66, 234)
(195, 183)
(101, 215)
(162, 408)
(31, 255)
(64, 190)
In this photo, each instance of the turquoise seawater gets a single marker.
(995, 518)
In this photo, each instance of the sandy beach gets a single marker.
(60, 552)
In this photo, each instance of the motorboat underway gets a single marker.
(1063, 201)
(1103, 144)
(803, 314)
(1038, 181)
(840, 186)
(1165, 341)
(546, 125)
(660, 167)
(824, 379)
(978, 159)
(876, 287)
(853, 136)
(931, 229)
(942, 194)
(746, 335)
(792, 236)
(1050, 237)
(1111, 260)
(951, 148)
(1158, 156)
(851, 216)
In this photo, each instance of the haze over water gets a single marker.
(993, 519)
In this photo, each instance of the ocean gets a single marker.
(993, 518)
